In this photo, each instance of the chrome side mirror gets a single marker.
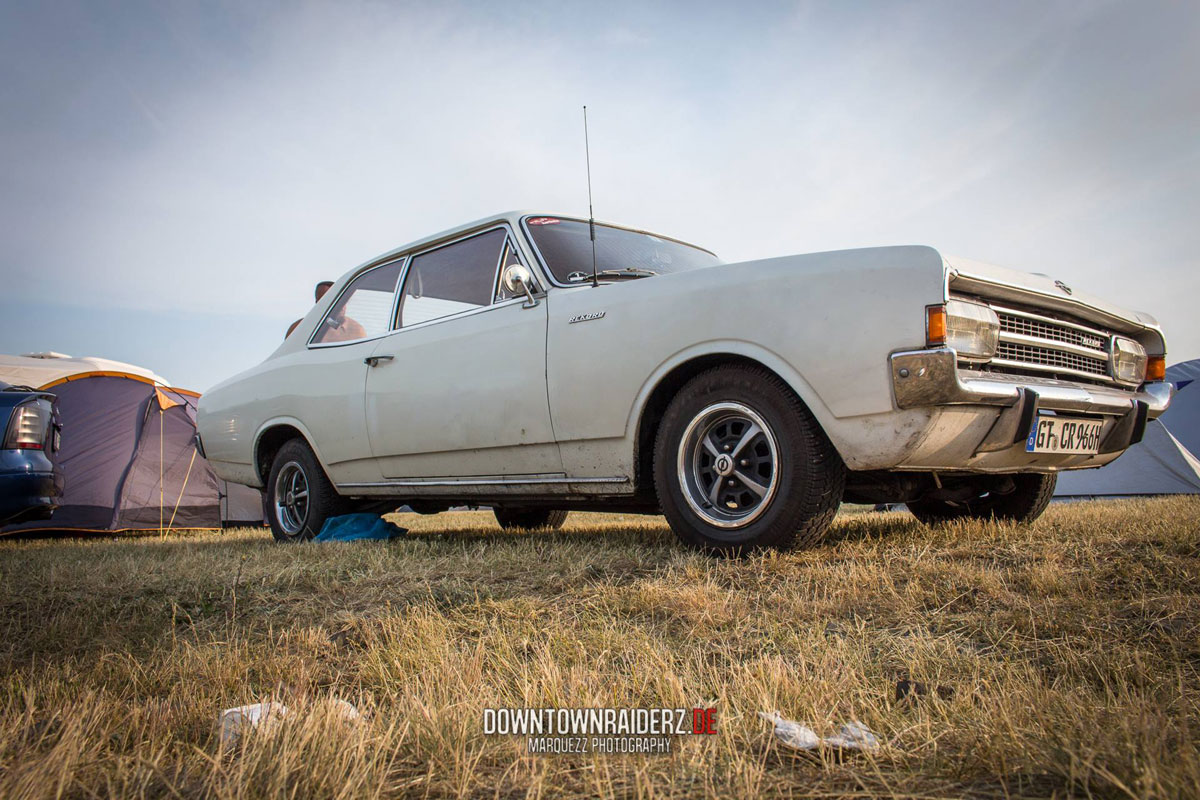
(517, 279)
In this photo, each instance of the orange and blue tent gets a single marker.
(128, 451)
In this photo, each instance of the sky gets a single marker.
(176, 176)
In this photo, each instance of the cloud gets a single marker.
(221, 159)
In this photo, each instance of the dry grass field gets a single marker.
(1072, 648)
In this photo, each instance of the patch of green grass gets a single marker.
(1071, 646)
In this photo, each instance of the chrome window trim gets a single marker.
(549, 273)
(395, 292)
(499, 226)
(400, 281)
(426, 323)
(459, 315)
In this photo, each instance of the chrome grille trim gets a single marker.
(1043, 359)
(1053, 344)
(1037, 344)
(1036, 326)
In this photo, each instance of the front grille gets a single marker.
(1045, 357)
(1039, 343)
(1037, 329)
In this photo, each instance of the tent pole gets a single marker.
(160, 471)
(182, 489)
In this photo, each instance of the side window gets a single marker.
(455, 278)
(364, 309)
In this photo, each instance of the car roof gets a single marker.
(512, 217)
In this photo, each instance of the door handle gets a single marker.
(373, 361)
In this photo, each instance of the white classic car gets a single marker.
(519, 363)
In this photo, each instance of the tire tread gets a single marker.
(324, 501)
(805, 522)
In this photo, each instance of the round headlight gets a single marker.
(1128, 361)
(972, 329)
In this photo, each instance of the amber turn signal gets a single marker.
(935, 326)
(1156, 368)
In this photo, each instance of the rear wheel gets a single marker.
(544, 518)
(740, 464)
(1025, 503)
(299, 495)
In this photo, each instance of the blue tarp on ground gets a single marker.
(352, 527)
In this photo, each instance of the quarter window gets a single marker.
(364, 309)
(452, 279)
(509, 258)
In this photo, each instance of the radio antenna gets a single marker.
(587, 154)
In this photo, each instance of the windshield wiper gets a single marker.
(627, 272)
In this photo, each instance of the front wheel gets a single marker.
(740, 464)
(299, 495)
(1029, 498)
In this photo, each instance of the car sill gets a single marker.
(535, 480)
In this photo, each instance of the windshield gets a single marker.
(566, 247)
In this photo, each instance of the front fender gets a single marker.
(825, 323)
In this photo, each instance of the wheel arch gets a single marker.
(272, 436)
(666, 382)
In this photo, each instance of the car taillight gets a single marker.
(28, 426)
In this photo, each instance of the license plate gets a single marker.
(1071, 435)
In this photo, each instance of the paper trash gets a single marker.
(851, 736)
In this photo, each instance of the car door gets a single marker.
(326, 380)
(459, 389)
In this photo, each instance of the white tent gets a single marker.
(39, 369)
(1164, 462)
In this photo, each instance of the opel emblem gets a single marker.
(1063, 286)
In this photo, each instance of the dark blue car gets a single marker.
(30, 481)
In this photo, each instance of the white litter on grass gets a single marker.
(854, 736)
(851, 736)
(234, 721)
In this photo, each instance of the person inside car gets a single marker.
(340, 328)
(322, 288)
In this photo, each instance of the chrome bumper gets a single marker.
(931, 377)
(922, 378)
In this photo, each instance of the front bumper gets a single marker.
(981, 421)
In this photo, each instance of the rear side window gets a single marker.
(364, 309)
(452, 279)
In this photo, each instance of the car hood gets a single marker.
(1045, 291)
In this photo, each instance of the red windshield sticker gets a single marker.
(544, 221)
